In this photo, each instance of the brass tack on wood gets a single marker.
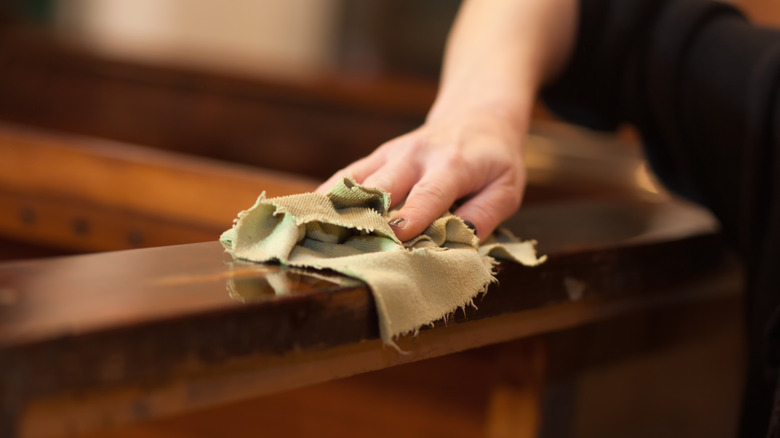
(8, 296)
(28, 216)
(135, 238)
(80, 226)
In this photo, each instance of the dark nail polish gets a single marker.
(399, 222)
(471, 226)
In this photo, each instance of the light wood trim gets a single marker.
(52, 221)
(171, 186)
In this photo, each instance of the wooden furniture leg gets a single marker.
(514, 410)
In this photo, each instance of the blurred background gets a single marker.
(295, 37)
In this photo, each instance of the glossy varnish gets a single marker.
(138, 320)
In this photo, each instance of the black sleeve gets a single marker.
(694, 77)
(702, 86)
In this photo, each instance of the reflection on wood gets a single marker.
(152, 332)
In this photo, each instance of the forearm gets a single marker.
(500, 52)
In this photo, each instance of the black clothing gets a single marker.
(702, 86)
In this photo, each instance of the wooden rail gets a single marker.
(107, 339)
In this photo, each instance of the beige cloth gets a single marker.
(414, 283)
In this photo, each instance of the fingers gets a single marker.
(427, 200)
(358, 171)
(488, 208)
(390, 167)
(396, 178)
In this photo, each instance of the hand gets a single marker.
(469, 152)
(474, 159)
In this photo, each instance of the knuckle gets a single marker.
(511, 197)
(495, 209)
(482, 213)
(430, 191)
(454, 160)
(379, 180)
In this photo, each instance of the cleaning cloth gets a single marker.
(414, 283)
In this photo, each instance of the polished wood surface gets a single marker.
(88, 194)
(675, 232)
(134, 333)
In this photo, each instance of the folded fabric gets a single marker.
(414, 283)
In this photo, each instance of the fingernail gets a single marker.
(399, 222)
(470, 226)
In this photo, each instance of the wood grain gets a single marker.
(169, 329)
(92, 195)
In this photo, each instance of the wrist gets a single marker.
(515, 111)
(495, 92)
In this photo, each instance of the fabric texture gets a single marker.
(702, 86)
(414, 283)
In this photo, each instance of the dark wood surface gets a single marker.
(141, 318)
(46, 299)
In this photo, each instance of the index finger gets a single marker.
(359, 171)
(428, 199)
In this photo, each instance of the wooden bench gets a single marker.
(92, 342)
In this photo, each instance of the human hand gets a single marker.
(473, 159)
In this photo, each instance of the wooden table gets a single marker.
(93, 341)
